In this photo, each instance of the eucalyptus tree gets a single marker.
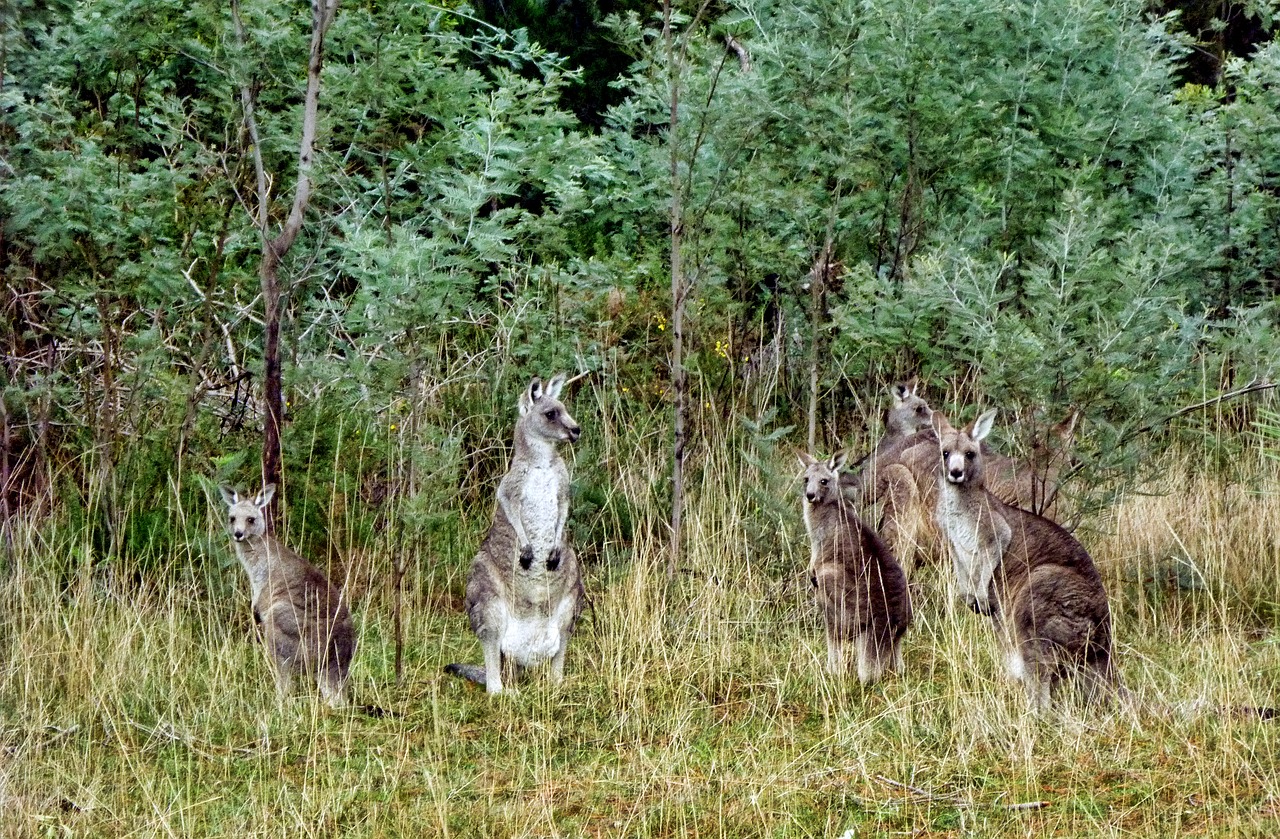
(275, 248)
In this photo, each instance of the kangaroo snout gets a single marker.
(574, 433)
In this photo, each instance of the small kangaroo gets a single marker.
(524, 590)
(894, 474)
(1035, 581)
(861, 588)
(910, 413)
(300, 616)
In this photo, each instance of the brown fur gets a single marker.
(901, 476)
(301, 617)
(861, 589)
(1035, 581)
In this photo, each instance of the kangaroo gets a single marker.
(1036, 582)
(900, 475)
(301, 617)
(524, 590)
(910, 413)
(861, 588)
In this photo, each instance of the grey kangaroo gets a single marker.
(1035, 581)
(301, 618)
(860, 586)
(910, 413)
(524, 591)
(901, 475)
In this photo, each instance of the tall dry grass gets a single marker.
(696, 707)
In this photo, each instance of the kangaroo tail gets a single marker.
(470, 672)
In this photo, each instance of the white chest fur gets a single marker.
(975, 562)
(254, 558)
(814, 548)
(533, 639)
(540, 508)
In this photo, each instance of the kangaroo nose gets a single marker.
(575, 433)
(957, 474)
(812, 496)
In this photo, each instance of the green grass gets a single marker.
(139, 707)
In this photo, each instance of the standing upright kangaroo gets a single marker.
(524, 591)
(301, 617)
(1035, 581)
(861, 588)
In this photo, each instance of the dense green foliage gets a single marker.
(1028, 206)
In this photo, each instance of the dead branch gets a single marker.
(744, 56)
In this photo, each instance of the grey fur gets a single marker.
(524, 590)
(1035, 581)
(910, 413)
(301, 617)
(860, 586)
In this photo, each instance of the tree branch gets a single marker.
(744, 57)
(1253, 387)
(322, 14)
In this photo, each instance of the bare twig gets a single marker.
(1255, 386)
(956, 801)
(744, 56)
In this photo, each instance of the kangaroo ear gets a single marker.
(264, 497)
(230, 496)
(555, 385)
(530, 395)
(838, 460)
(902, 391)
(940, 424)
(806, 459)
(982, 426)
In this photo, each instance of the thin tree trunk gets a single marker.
(815, 340)
(6, 471)
(679, 381)
(819, 276)
(397, 613)
(274, 249)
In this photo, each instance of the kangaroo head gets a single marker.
(543, 416)
(910, 413)
(247, 519)
(822, 478)
(962, 449)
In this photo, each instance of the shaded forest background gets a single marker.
(1049, 207)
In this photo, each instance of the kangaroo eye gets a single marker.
(946, 453)
(920, 410)
(968, 455)
(551, 414)
(251, 520)
(823, 481)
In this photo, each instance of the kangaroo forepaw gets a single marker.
(553, 559)
(526, 557)
(979, 607)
